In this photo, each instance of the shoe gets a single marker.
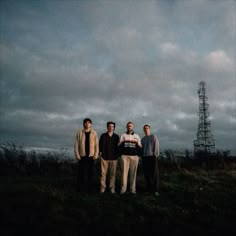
(157, 194)
(102, 191)
(133, 193)
(122, 192)
(112, 190)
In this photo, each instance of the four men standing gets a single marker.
(129, 146)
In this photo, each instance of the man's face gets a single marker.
(146, 130)
(110, 128)
(87, 125)
(130, 127)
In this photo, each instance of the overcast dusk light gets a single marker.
(140, 61)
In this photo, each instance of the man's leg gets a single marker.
(90, 173)
(133, 172)
(146, 172)
(156, 177)
(124, 175)
(104, 166)
(112, 167)
(81, 177)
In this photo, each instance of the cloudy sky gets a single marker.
(140, 61)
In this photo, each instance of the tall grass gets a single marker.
(16, 160)
(40, 198)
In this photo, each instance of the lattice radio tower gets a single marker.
(205, 142)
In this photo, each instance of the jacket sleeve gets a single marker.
(96, 147)
(156, 147)
(76, 146)
(121, 140)
(101, 144)
(139, 142)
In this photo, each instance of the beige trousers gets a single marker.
(129, 163)
(108, 166)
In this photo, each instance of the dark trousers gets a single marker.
(85, 175)
(151, 173)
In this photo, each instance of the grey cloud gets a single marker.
(117, 61)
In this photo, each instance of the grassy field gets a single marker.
(191, 202)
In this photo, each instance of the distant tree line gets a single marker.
(14, 160)
(218, 160)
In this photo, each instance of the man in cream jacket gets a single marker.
(86, 150)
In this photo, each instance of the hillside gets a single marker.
(191, 201)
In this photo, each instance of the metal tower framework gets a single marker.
(205, 142)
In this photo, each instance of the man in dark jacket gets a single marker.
(108, 146)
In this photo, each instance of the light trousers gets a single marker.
(108, 166)
(129, 164)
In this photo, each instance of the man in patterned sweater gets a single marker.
(129, 144)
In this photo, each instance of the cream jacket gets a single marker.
(79, 146)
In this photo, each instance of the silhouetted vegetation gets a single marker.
(16, 160)
(39, 197)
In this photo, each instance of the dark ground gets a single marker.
(191, 202)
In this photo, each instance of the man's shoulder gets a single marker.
(104, 135)
(133, 135)
(136, 135)
(151, 136)
(79, 131)
(143, 138)
(116, 135)
(92, 131)
(154, 136)
(107, 135)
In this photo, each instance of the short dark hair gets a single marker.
(130, 122)
(87, 120)
(111, 123)
(147, 126)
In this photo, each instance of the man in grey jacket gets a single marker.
(150, 153)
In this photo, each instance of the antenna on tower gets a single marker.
(205, 143)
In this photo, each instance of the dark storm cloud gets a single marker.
(115, 60)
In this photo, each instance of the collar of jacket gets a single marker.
(130, 133)
(90, 131)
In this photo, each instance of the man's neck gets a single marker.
(87, 130)
(110, 133)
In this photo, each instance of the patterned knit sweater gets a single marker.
(130, 144)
